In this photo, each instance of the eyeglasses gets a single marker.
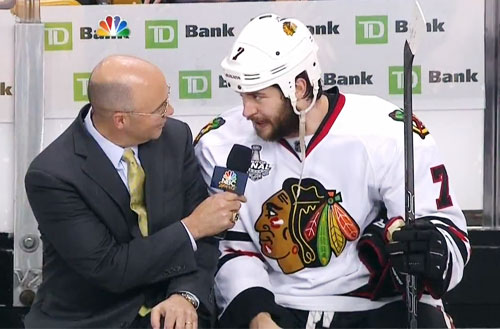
(159, 111)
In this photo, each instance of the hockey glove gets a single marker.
(373, 254)
(420, 249)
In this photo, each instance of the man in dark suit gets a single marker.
(106, 265)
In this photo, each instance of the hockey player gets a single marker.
(321, 241)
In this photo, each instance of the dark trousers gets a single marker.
(392, 315)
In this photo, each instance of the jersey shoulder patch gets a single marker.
(212, 125)
(418, 126)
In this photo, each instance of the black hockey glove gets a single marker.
(372, 253)
(420, 249)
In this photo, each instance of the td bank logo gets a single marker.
(58, 36)
(371, 29)
(161, 34)
(195, 84)
(80, 84)
(396, 80)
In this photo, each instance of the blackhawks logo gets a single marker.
(289, 28)
(214, 124)
(304, 225)
(418, 126)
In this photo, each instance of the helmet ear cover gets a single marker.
(271, 50)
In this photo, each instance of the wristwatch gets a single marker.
(190, 298)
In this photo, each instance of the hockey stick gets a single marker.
(417, 28)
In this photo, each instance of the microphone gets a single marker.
(234, 177)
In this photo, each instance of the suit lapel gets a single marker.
(100, 169)
(152, 156)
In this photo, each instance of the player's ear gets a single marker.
(300, 88)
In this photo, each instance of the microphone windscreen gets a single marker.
(239, 158)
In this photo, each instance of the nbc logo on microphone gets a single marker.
(228, 181)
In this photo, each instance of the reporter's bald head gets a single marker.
(116, 81)
(127, 94)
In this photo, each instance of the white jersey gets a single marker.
(303, 249)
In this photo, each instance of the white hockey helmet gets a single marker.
(272, 50)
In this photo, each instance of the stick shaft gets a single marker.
(411, 282)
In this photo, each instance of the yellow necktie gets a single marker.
(135, 177)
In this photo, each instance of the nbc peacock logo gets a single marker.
(112, 27)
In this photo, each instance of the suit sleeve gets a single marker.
(201, 282)
(242, 286)
(434, 198)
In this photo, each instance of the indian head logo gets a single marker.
(214, 124)
(289, 28)
(306, 228)
(418, 126)
(113, 27)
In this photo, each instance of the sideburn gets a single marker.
(288, 124)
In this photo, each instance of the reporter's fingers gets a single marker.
(241, 198)
(233, 196)
(155, 318)
(169, 321)
(190, 321)
(234, 206)
(231, 205)
(181, 322)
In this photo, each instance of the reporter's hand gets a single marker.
(214, 214)
(263, 321)
(177, 313)
(419, 249)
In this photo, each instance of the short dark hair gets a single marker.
(309, 88)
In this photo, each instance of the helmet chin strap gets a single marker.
(302, 132)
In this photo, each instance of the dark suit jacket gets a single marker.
(98, 269)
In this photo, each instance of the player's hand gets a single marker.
(263, 321)
(419, 249)
(214, 215)
(177, 313)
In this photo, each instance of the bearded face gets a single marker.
(271, 114)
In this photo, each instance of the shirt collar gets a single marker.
(113, 152)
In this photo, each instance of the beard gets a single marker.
(285, 125)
